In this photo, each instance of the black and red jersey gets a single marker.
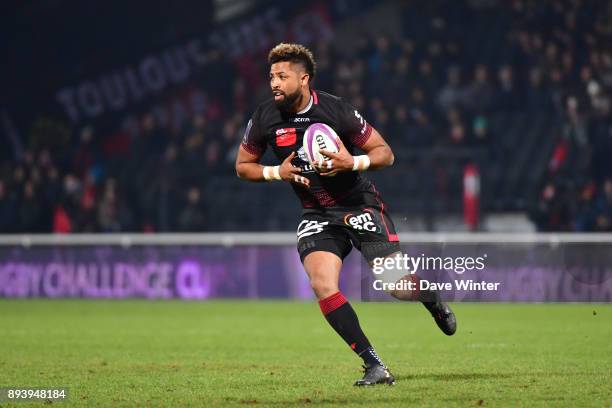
(283, 132)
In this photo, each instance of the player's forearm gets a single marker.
(256, 172)
(250, 171)
(380, 157)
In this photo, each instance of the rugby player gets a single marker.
(330, 194)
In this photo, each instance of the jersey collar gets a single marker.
(307, 108)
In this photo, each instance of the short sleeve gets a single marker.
(254, 140)
(353, 127)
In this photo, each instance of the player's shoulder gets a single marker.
(325, 97)
(264, 107)
(266, 111)
(332, 102)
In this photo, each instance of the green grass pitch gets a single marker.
(278, 353)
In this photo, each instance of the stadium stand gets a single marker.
(523, 90)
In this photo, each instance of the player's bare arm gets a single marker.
(248, 168)
(378, 151)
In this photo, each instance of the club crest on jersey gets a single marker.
(286, 137)
(361, 222)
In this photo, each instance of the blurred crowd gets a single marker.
(437, 85)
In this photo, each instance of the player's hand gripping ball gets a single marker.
(319, 136)
(325, 150)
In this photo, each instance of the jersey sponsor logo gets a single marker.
(302, 154)
(305, 165)
(310, 227)
(286, 137)
(361, 222)
(301, 120)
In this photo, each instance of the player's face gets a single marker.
(286, 81)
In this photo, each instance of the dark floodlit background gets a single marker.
(119, 127)
(126, 116)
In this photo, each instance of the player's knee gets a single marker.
(323, 288)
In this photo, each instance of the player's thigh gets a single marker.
(380, 260)
(322, 259)
(322, 246)
(323, 269)
(373, 233)
(395, 272)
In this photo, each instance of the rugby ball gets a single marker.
(319, 136)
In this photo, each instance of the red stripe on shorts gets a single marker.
(391, 237)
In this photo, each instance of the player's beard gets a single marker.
(288, 102)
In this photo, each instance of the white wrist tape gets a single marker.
(271, 173)
(361, 162)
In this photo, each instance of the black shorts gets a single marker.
(338, 230)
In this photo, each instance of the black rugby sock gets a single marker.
(340, 315)
(428, 297)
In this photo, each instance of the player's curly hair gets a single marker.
(295, 53)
